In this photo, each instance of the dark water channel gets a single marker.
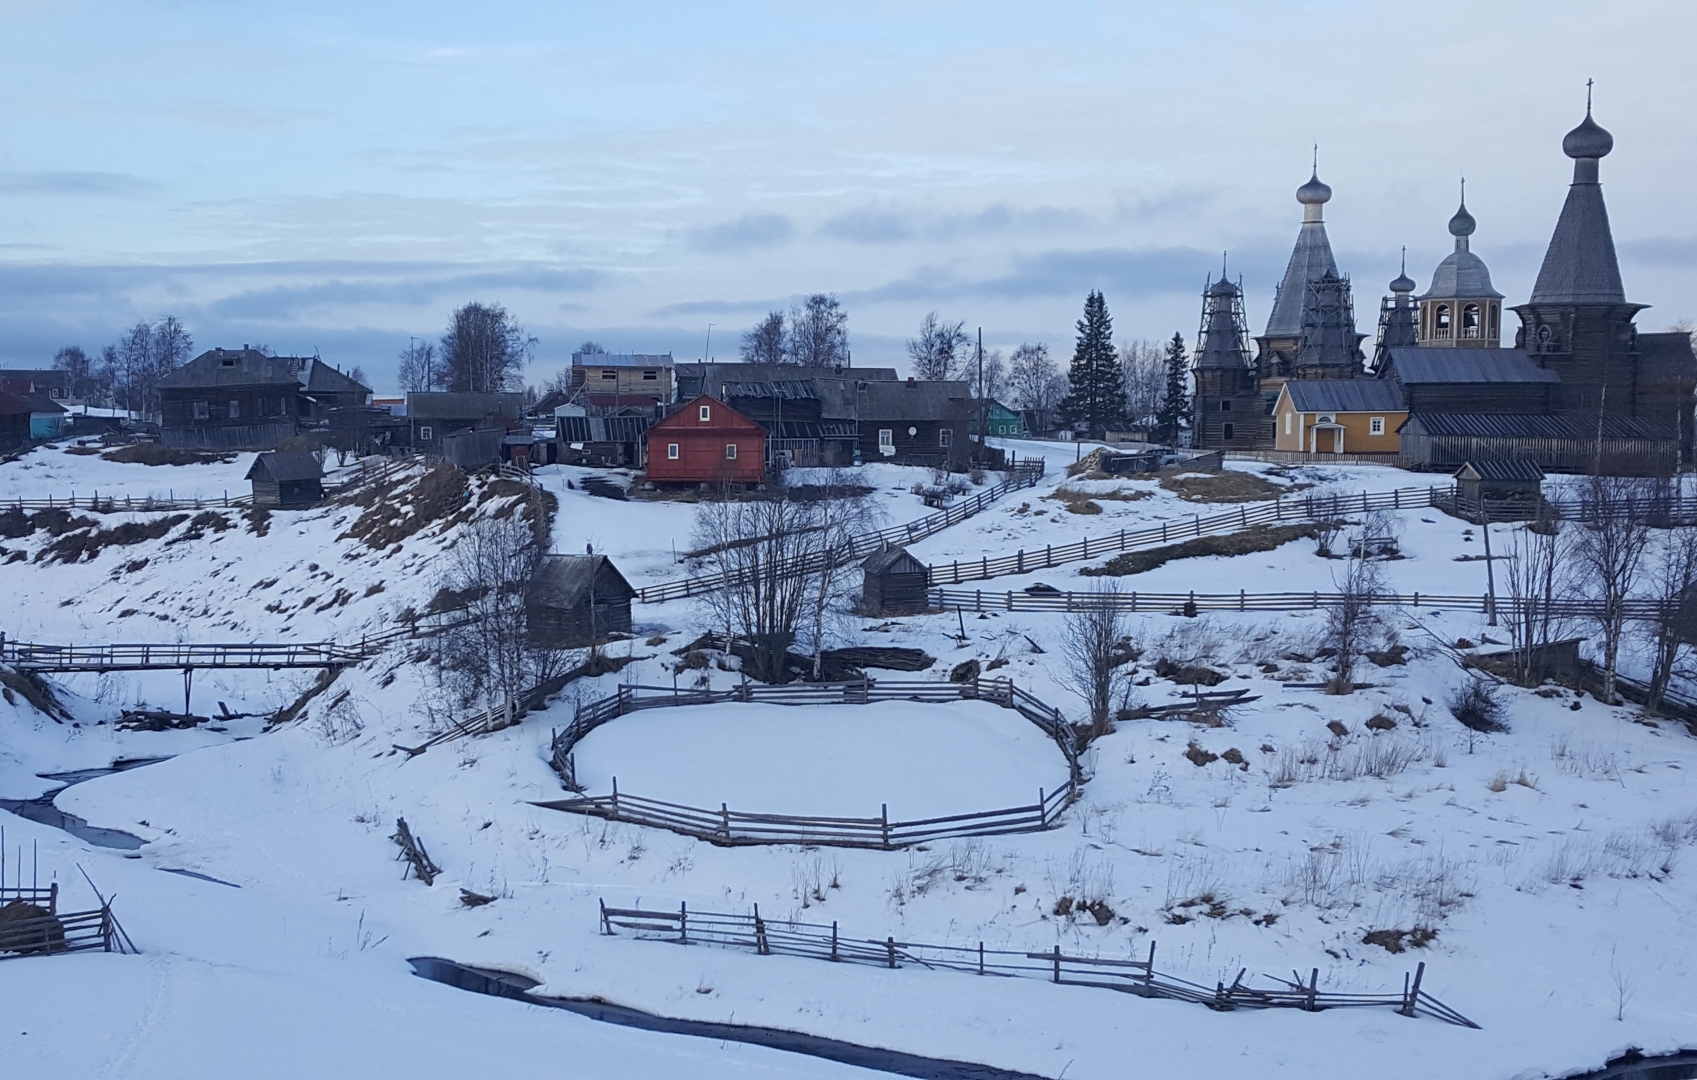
(517, 987)
(1634, 1066)
(43, 811)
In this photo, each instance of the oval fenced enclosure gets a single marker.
(1002, 769)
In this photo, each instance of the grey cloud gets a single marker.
(885, 225)
(1059, 273)
(73, 183)
(286, 302)
(721, 307)
(1678, 251)
(751, 232)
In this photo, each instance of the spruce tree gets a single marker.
(1095, 398)
(1175, 403)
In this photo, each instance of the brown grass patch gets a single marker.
(1246, 542)
(1221, 487)
(1395, 941)
(399, 513)
(147, 453)
(87, 543)
(1090, 502)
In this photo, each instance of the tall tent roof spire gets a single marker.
(1580, 266)
(1310, 260)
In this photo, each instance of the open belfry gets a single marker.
(1580, 388)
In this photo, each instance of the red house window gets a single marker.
(730, 450)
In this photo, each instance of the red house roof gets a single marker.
(706, 441)
(720, 418)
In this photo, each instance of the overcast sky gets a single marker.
(338, 176)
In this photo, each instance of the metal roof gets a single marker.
(1431, 364)
(788, 389)
(433, 405)
(631, 360)
(584, 429)
(230, 367)
(1462, 274)
(894, 559)
(285, 465)
(1500, 470)
(13, 405)
(41, 403)
(562, 580)
(912, 400)
(1527, 426)
(1344, 395)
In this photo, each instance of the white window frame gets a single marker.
(1289, 423)
(201, 410)
(730, 451)
(235, 409)
(706, 415)
(671, 451)
(1376, 426)
(945, 436)
(426, 433)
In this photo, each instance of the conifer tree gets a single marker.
(1095, 398)
(1175, 403)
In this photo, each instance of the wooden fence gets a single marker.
(1281, 511)
(57, 931)
(94, 502)
(33, 656)
(1140, 977)
(731, 827)
(1025, 474)
(1187, 603)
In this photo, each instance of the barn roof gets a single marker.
(457, 406)
(1420, 364)
(1500, 470)
(13, 405)
(41, 403)
(231, 367)
(585, 429)
(1344, 395)
(1527, 426)
(563, 580)
(892, 560)
(915, 399)
(282, 466)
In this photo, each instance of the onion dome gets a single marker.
(1462, 224)
(1588, 140)
(1315, 192)
(1402, 283)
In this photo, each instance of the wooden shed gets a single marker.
(286, 478)
(895, 583)
(577, 600)
(1509, 490)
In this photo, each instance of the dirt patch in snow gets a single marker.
(1222, 487)
(1260, 538)
(87, 543)
(154, 454)
(396, 514)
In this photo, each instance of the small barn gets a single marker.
(577, 600)
(14, 421)
(1518, 484)
(284, 478)
(706, 442)
(895, 583)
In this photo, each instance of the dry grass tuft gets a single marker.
(1222, 487)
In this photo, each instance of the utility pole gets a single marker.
(983, 406)
(1490, 569)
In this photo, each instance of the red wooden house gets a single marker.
(706, 442)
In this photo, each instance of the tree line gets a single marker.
(126, 373)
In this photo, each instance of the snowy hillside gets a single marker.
(1546, 874)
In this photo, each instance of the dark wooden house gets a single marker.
(915, 422)
(14, 421)
(895, 583)
(577, 600)
(1617, 445)
(706, 442)
(432, 416)
(285, 479)
(1504, 490)
(242, 399)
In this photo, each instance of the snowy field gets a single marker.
(827, 760)
(1556, 862)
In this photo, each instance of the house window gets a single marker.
(650, 376)
(425, 434)
(200, 410)
(887, 440)
(1289, 418)
(945, 436)
(1225, 406)
(1376, 425)
(730, 451)
(235, 410)
(706, 413)
(1228, 431)
(608, 373)
(671, 451)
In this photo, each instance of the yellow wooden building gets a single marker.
(1339, 416)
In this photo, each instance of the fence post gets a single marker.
(980, 958)
(606, 927)
(834, 956)
(1149, 973)
(1042, 809)
(683, 923)
(884, 819)
(890, 950)
(1313, 990)
(761, 946)
(615, 798)
(1049, 555)
(1057, 963)
(1163, 532)
(1411, 994)
(1240, 600)
(725, 820)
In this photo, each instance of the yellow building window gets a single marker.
(1376, 425)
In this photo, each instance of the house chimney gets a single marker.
(911, 382)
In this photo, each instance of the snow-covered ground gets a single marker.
(1556, 861)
